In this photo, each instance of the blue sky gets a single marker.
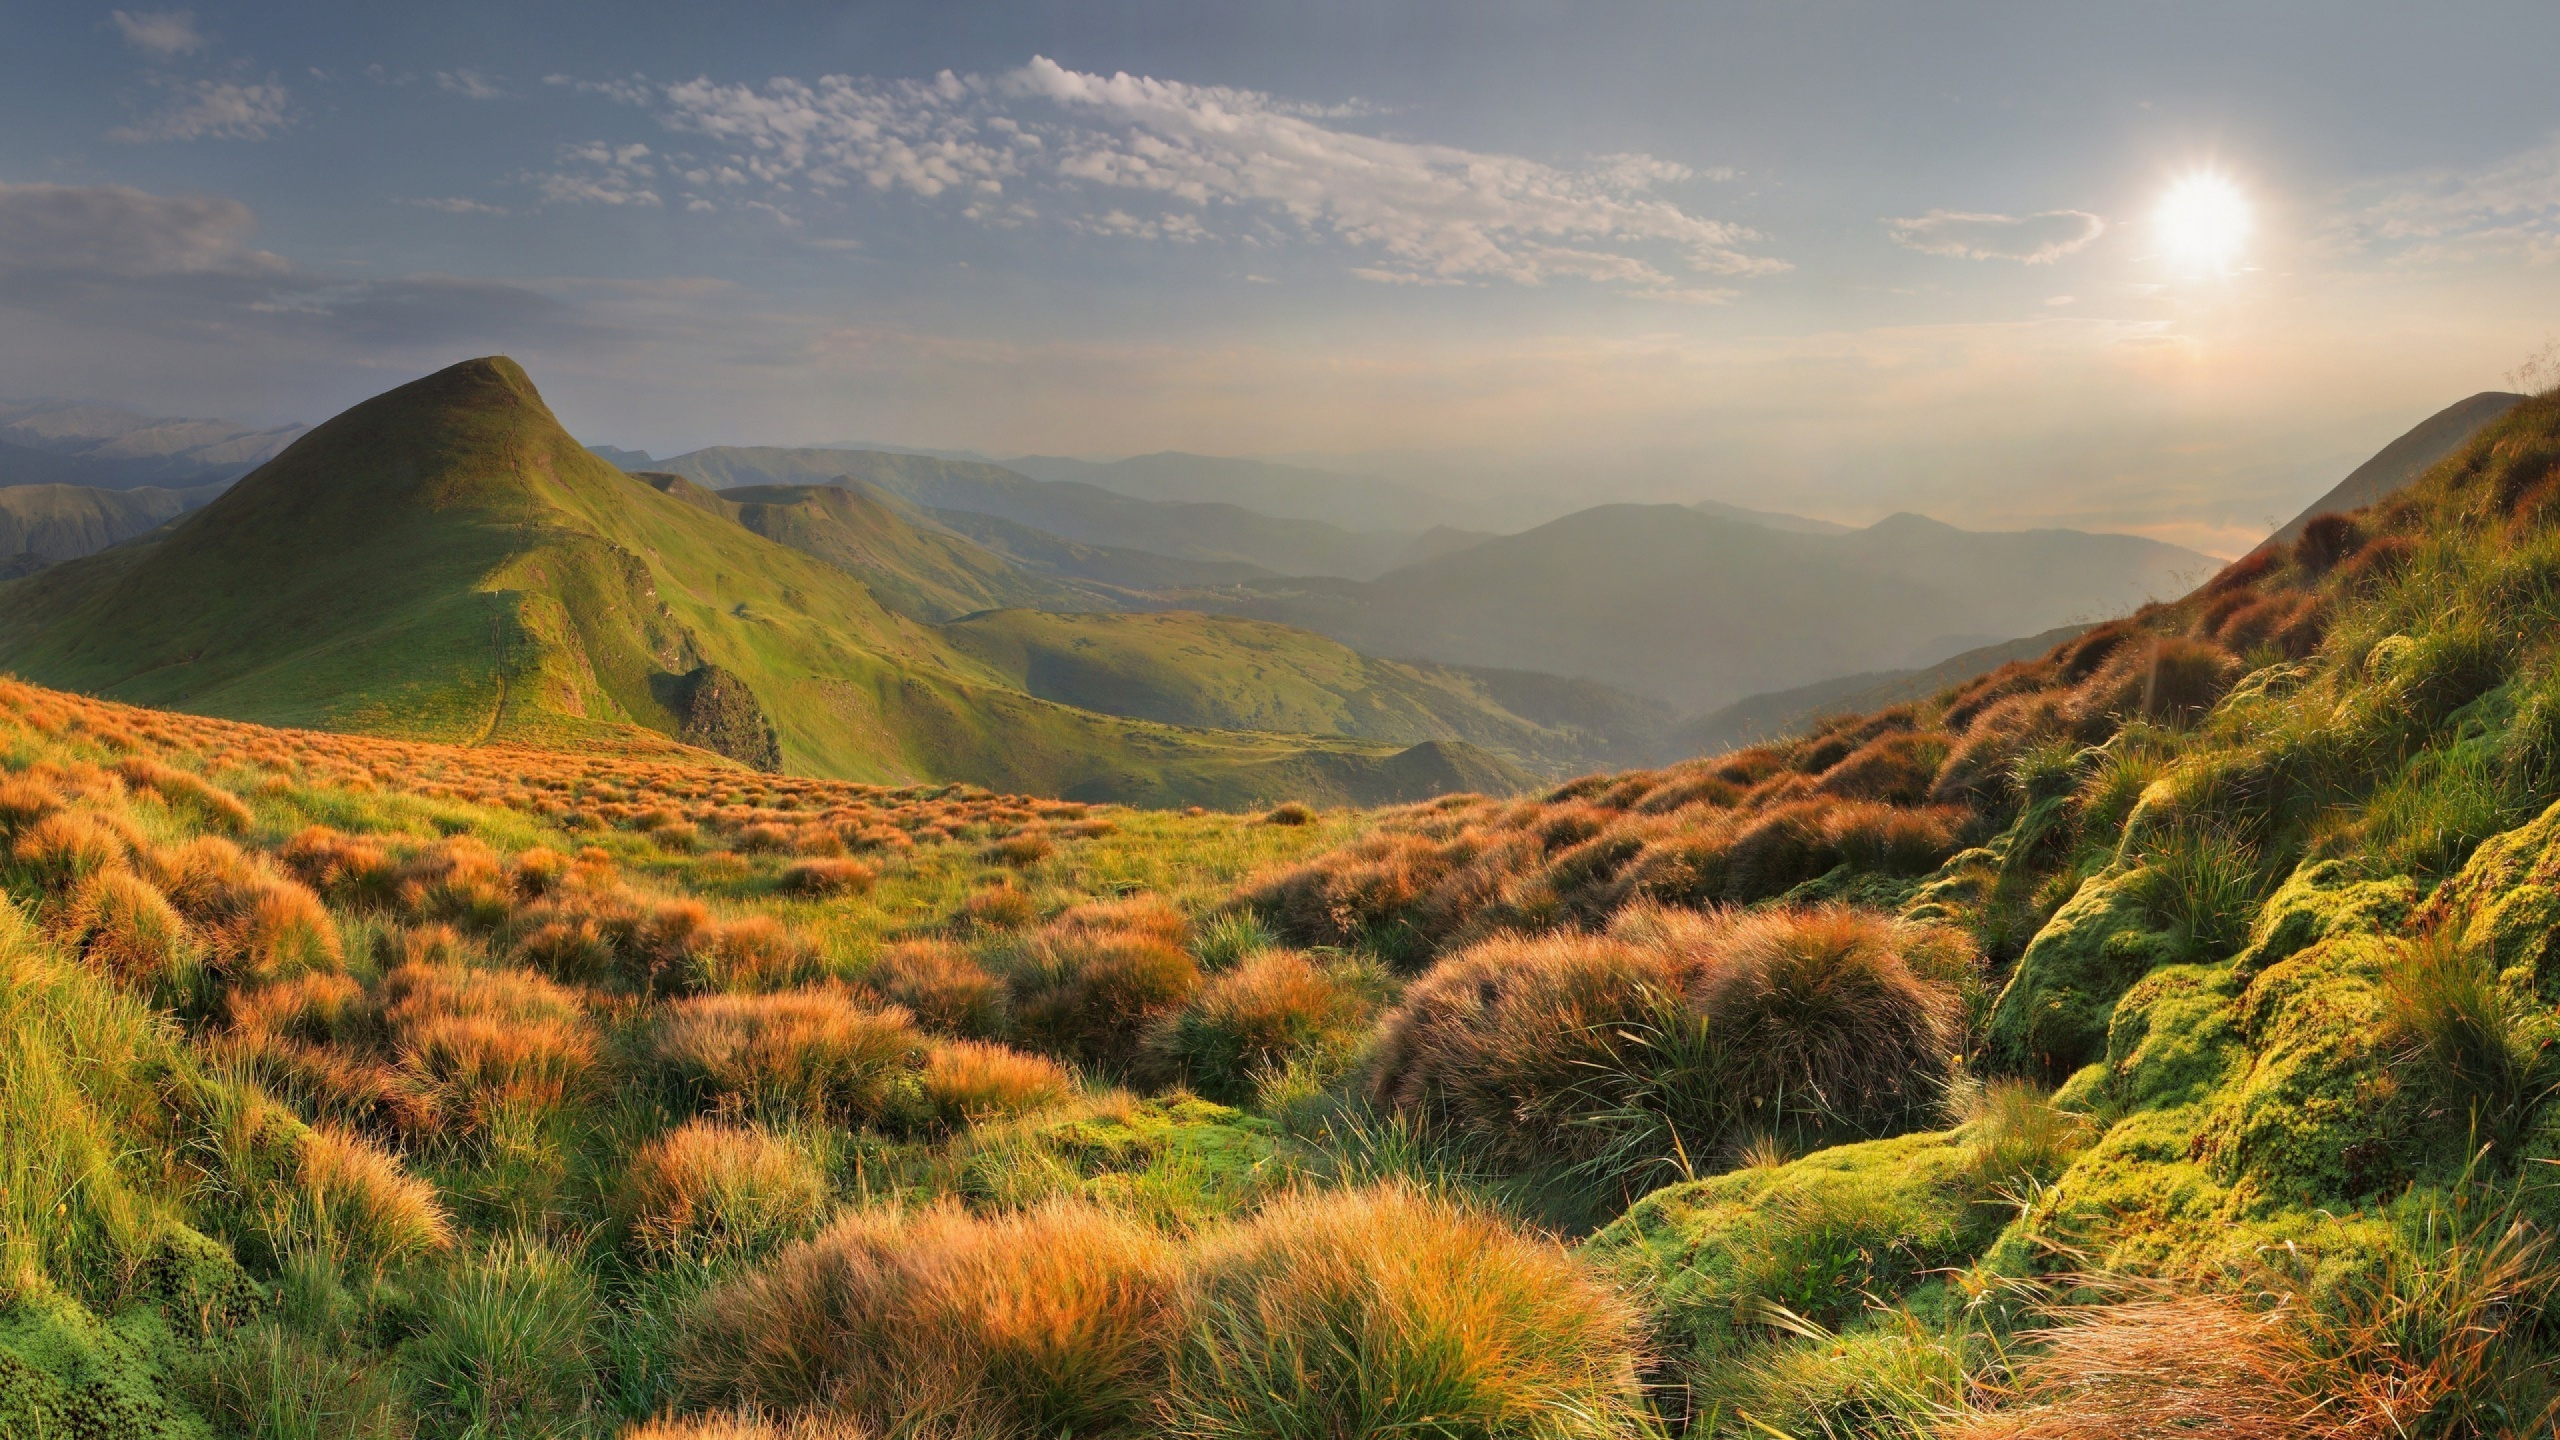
(1842, 259)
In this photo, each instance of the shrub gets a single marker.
(1384, 1312)
(349, 869)
(1057, 1319)
(817, 1054)
(2166, 679)
(123, 927)
(505, 1349)
(941, 985)
(1251, 1020)
(996, 907)
(483, 1042)
(1091, 994)
(969, 1080)
(828, 876)
(64, 848)
(1819, 1008)
(708, 1188)
(1290, 812)
(1673, 1036)
(1022, 849)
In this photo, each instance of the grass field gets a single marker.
(2154, 1037)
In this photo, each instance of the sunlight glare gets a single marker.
(2203, 221)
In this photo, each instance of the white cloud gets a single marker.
(160, 33)
(470, 85)
(612, 175)
(456, 205)
(118, 231)
(1163, 160)
(213, 110)
(2509, 209)
(2038, 239)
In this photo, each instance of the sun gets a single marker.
(2203, 222)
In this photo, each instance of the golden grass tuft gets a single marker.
(1250, 1021)
(942, 985)
(365, 1206)
(124, 928)
(1050, 1320)
(828, 876)
(708, 1188)
(1388, 1312)
(818, 1054)
(970, 1080)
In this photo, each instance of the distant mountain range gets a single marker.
(1072, 510)
(1699, 609)
(68, 442)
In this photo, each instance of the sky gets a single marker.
(1838, 259)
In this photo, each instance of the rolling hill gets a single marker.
(1071, 510)
(1700, 609)
(444, 562)
(1226, 673)
(2404, 459)
(910, 564)
(43, 525)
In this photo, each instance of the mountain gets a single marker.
(1784, 714)
(1291, 492)
(1110, 566)
(2405, 459)
(910, 564)
(70, 442)
(1071, 510)
(43, 525)
(1772, 519)
(444, 562)
(1699, 610)
(1221, 672)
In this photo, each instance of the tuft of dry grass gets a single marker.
(828, 876)
(1088, 990)
(122, 926)
(969, 1080)
(1387, 1312)
(1249, 1021)
(364, 1205)
(942, 985)
(1052, 1320)
(819, 1054)
(707, 1188)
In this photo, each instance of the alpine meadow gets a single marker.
(1556, 723)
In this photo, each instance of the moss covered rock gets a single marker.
(64, 1372)
(2308, 1115)
(2509, 893)
(1175, 1159)
(2322, 899)
(1815, 1237)
(2052, 1016)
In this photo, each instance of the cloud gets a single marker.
(470, 85)
(2509, 209)
(116, 231)
(160, 33)
(455, 205)
(2038, 239)
(1148, 159)
(611, 175)
(212, 110)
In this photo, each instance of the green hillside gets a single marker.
(43, 525)
(1221, 672)
(909, 563)
(445, 562)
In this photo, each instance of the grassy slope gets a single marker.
(445, 562)
(1186, 668)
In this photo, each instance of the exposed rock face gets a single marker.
(720, 713)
